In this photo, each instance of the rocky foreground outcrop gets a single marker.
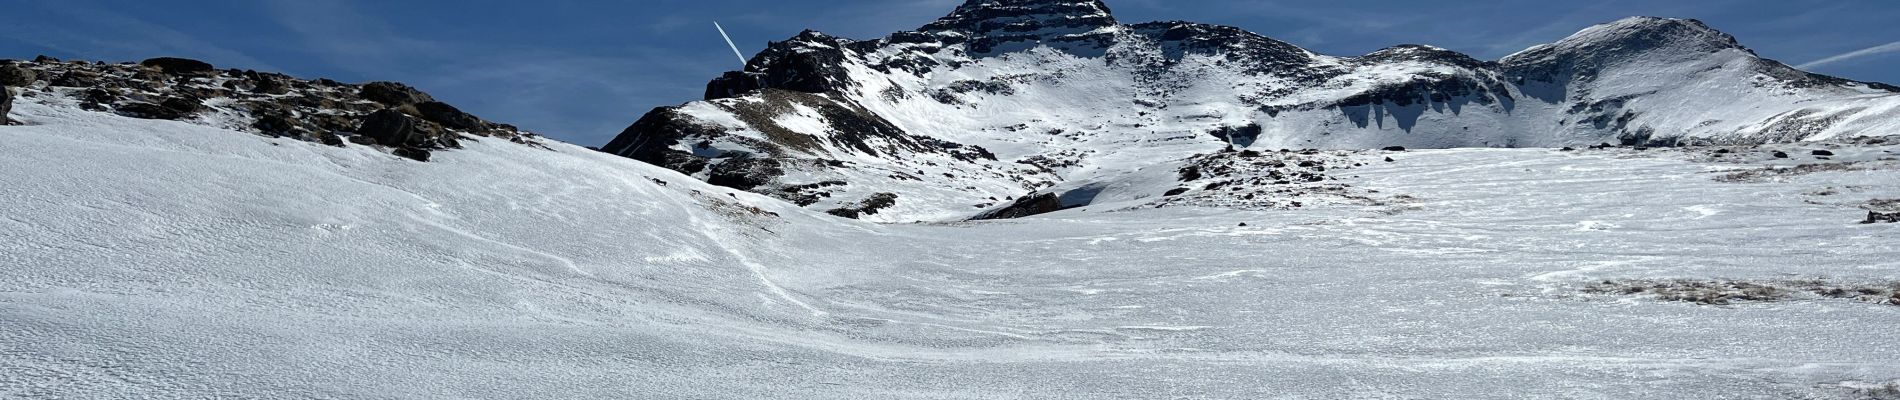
(393, 116)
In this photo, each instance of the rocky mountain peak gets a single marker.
(990, 25)
(1636, 33)
(810, 62)
(985, 15)
(1633, 37)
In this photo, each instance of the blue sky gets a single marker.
(581, 71)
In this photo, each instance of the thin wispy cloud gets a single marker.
(349, 39)
(1848, 56)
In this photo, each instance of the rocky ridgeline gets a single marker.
(388, 115)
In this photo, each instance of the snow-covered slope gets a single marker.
(172, 259)
(165, 259)
(1003, 98)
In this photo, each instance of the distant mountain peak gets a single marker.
(1654, 29)
(1634, 37)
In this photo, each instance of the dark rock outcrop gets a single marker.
(179, 66)
(745, 173)
(393, 128)
(869, 206)
(1242, 136)
(993, 25)
(449, 116)
(319, 111)
(278, 125)
(1025, 206)
(17, 76)
(393, 94)
(6, 104)
(77, 79)
(651, 140)
(811, 62)
(152, 111)
(412, 153)
(268, 84)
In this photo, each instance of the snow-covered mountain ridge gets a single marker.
(1010, 98)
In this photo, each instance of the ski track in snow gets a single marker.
(149, 259)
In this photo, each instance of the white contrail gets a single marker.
(735, 48)
(1885, 48)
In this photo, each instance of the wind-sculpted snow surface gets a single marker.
(1012, 97)
(160, 259)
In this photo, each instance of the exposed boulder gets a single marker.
(6, 104)
(270, 85)
(412, 153)
(14, 75)
(75, 79)
(393, 128)
(183, 105)
(1821, 153)
(393, 94)
(1238, 135)
(180, 66)
(170, 108)
(1882, 210)
(448, 116)
(869, 206)
(277, 125)
(1026, 206)
(139, 109)
(745, 173)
